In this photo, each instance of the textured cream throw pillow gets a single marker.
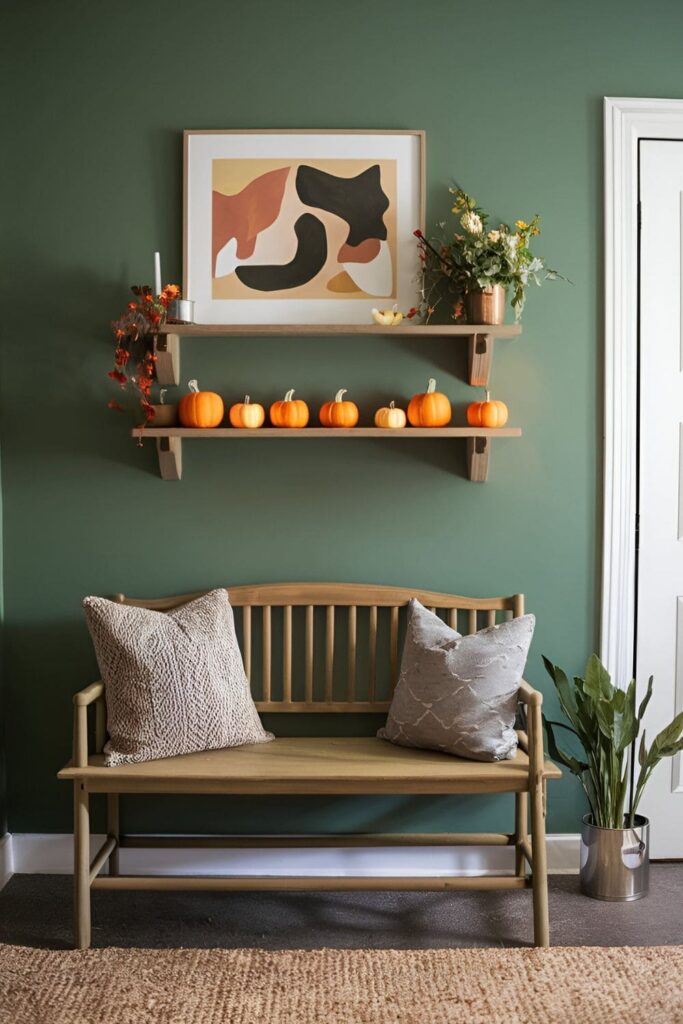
(458, 693)
(174, 681)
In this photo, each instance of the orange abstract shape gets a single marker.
(342, 283)
(364, 252)
(243, 215)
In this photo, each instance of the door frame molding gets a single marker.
(627, 121)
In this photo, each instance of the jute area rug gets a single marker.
(577, 985)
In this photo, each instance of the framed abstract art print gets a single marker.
(301, 226)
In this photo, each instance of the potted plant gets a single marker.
(135, 334)
(604, 719)
(475, 267)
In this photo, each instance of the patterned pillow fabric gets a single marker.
(174, 681)
(458, 693)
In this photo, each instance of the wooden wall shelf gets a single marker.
(480, 338)
(169, 440)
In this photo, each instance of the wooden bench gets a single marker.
(339, 653)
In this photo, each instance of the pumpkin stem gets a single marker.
(392, 405)
(340, 394)
(247, 400)
(288, 396)
(488, 396)
(431, 387)
(193, 385)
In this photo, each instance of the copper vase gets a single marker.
(486, 305)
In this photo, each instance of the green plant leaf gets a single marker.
(575, 766)
(646, 699)
(669, 735)
(642, 752)
(598, 683)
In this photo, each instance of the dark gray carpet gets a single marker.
(36, 910)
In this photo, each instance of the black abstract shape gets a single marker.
(311, 254)
(359, 201)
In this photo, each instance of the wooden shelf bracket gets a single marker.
(170, 452)
(480, 359)
(478, 452)
(167, 348)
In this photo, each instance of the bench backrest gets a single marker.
(338, 643)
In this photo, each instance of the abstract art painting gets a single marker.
(301, 227)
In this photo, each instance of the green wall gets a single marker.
(96, 97)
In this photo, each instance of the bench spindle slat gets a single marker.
(287, 654)
(453, 618)
(266, 654)
(393, 649)
(246, 639)
(472, 621)
(309, 654)
(372, 652)
(351, 659)
(329, 654)
(491, 618)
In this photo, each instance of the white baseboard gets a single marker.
(53, 854)
(6, 860)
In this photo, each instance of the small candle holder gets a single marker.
(180, 311)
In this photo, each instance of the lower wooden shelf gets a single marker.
(169, 440)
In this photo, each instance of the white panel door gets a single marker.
(659, 641)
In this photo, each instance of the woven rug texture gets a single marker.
(574, 985)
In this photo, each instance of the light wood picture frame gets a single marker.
(310, 226)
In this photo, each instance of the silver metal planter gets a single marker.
(615, 862)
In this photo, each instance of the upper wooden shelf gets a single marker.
(480, 338)
(429, 330)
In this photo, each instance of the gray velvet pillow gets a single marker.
(174, 682)
(458, 693)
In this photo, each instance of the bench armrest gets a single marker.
(527, 695)
(93, 694)
(532, 740)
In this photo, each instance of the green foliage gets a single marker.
(474, 257)
(604, 720)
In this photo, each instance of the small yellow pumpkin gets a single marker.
(390, 418)
(387, 317)
(247, 415)
(200, 408)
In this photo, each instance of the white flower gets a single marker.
(472, 222)
(493, 236)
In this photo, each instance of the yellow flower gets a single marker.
(535, 231)
(521, 224)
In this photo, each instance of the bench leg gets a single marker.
(521, 831)
(81, 866)
(540, 867)
(113, 830)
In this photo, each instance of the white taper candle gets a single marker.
(157, 274)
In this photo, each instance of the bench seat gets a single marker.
(295, 765)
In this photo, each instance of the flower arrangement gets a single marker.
(134, 355)
(476, 259)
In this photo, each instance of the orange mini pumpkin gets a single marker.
(200, 408)
(431, 409)
(290, 412)
(490, 413)
(247, 415)
(339, 412)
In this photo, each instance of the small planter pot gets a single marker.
(615, 862)
(486, 306)
(165, 416)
